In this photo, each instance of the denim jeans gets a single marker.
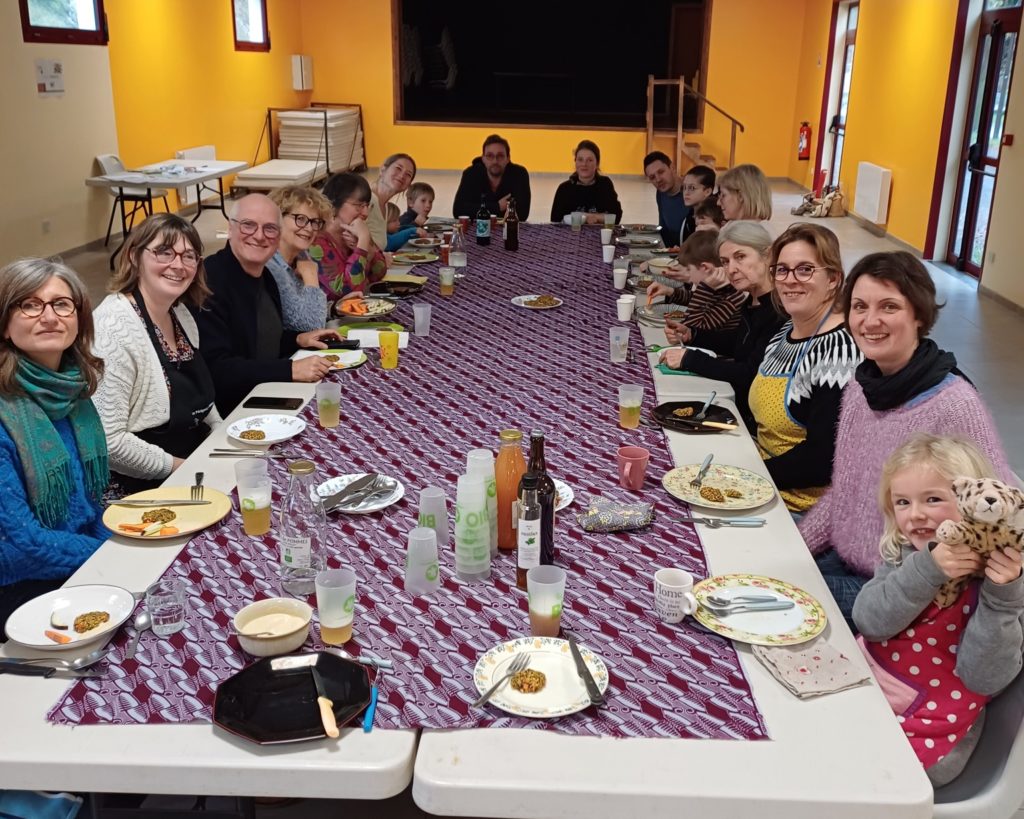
(844, 583)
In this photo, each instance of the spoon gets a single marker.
(142, 622)
(89, 659)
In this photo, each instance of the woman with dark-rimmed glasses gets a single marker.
(53, 453)
(156, 395)
(304, 213)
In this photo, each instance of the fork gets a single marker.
(698, 479)
(520, 663)
(704, 410)
(197, 487)
(718, 523)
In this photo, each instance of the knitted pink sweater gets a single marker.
(847, 516)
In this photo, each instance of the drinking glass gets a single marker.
(609, 219)
(545, 586)
(328, 404)
(619, 337)
(422, 575)
(254, 493)
(336, 602)
(165, 602)
(624, 308)
(606, 236)
(619, 276)
(434, 513)
(631, 397)
(388, 340)
(447, 285)
(421, 315)
(608, 253)
(577, 221)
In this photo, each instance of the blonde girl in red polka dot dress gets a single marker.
(938, 667)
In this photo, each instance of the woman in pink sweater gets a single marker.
(906, 384)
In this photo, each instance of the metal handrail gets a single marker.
(684, 87)
(725, 114)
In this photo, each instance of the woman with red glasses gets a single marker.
(304, 213)
(156, 396)
(53, 454)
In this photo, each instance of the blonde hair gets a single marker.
(950, 457)
(749, 183)
(293, 196)
(391, 212)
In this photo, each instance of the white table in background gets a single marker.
(189, 758)
(839, 756)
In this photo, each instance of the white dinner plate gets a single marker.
(276, 428)
(521, 301)
(563, 692)
(564, 496)
(335, 485)
(346, 359)
(785, 627)
(28, 624)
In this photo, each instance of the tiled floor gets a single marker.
(986, 336)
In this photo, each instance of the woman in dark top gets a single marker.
(156, 396)
(587, 190)
(745, 253)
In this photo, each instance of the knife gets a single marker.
(326, 705)
(159, 502)
(346, 492)
(699, 424)
(46, 671)
(596, 697)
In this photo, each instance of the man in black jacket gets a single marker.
(242, 336)
(495, 178)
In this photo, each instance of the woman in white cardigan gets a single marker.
(156, 396)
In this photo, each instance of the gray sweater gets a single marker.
(989, 655)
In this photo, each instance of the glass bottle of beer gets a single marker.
(511, 226)
(483, 223)
(528, 530)
(508, 471)
(545, 495)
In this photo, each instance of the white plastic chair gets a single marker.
(139, 197)
(992, 784)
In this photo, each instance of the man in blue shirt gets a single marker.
(672, 210)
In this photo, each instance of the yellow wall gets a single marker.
(743, 31)
(1002, 273)
(185, 85)
(810, 86)
(897, 98)
(49, 145)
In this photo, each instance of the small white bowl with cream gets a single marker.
(283, 621)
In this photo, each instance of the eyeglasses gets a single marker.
(34, 308)
(356, 204)
(248, 227)
(802, 272)
(304, 221)
(167, 255)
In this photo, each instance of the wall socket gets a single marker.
(46, 226)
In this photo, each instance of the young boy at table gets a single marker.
(713, 303)
(420, 198)
(708, 214)
(398, 235)
(698, 185)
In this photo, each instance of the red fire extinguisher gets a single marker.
(803, 149)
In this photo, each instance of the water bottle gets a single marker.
(421, 570)
(302, 536)
(472, 531)
(481, 462)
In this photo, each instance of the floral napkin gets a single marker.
(604, 515)
(811, 669)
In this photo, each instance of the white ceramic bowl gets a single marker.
(279, 643)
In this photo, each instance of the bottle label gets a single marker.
(296, 551)
(504, 231)
(528, 544)
(483, 228)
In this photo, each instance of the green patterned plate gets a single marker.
(788, 627)
(741, 488)
(563, 692)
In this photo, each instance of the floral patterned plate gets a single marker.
(740, 488)
(275, 428)
(788, 627)
(563, 692)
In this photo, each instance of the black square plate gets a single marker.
(664, 415)
(274, 700)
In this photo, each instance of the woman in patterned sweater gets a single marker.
(796, 393)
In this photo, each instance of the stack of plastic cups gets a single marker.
(421, 569)
(481, 462)
(472, 531)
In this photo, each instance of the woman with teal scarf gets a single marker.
(53, 454)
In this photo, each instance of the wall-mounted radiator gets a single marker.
(871, 201)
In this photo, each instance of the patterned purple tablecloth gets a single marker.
(487, 365)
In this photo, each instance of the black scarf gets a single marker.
(928, 366)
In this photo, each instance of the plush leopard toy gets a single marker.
(993, 518)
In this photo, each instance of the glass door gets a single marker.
(837, 127)
(983, 136)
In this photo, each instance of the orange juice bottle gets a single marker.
(508, 470)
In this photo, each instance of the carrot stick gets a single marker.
(169, 530)
(57, 637)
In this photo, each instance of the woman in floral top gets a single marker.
(344, 250)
